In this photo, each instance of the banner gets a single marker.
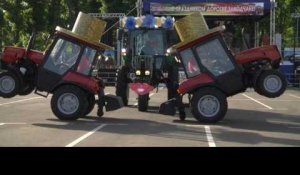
(209, 9)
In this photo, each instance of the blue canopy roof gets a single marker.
(158, 7)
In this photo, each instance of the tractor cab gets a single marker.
(213, 73)
(70, 58)
(209, 61)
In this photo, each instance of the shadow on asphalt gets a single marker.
(130, 127)
(248, 127)
(239, 126)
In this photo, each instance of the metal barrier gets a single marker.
(293, 80)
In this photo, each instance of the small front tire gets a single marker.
(271, 83)
(143, 101)
(9, 84)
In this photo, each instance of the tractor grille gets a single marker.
(142, 62)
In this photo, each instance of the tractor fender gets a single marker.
(193, 83)
(69, 83)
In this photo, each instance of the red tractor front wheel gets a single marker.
(9, 84)
(271, 83)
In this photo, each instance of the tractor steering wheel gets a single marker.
(63, 67)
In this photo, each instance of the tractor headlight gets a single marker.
(138, 72)
(147, 72)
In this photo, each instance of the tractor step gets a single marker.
(40, 94)
(113, 102)
(168, 107)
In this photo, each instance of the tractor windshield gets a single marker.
(148, 42)
(85, 65)
(189, 62)
(62, 57)
(214, 57)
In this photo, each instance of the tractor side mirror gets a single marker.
(120, 33)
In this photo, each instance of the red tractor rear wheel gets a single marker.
(69, 103)
(209, 105)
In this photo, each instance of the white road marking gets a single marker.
(258, 102)
(210, 139)
(265, 100)
(75, 142)
(1, 124)
(277, 109)
(19, 101)
(294, 96)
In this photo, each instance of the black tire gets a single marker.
(122, 88)
(79, 98)
(29, 79)
(143, 101)
(271, 83)
(212, 97)
(14, 82)
(27, 89)
(91, 103)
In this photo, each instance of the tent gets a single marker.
(251, 11)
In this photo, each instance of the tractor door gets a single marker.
(61, 58)
(218, 61)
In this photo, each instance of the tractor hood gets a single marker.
(270, 53)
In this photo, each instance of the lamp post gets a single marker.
(296, 35)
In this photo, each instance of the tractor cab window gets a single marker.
(62, 57)
(214, 57)
(149, 42)
(86, 61)
(189, 62)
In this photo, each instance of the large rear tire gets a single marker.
(143, 102)
(69, 103)
(271, 83)
(122, 88)
(209, 105)
(9, 84)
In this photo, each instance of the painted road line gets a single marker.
(294, 96)
(210, 139)
(15, 123)
(19, 101)
(75, 142)
(258, 102)
(277, 109)
(2, 124)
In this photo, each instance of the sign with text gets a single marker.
(209, 9)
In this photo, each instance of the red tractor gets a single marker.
(214, 73)
(67, 69)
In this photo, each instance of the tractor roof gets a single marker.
(83, 39)
(87, 29)
(191, 28)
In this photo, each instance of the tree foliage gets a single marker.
(19, 18)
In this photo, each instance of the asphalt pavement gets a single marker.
(251, 121)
